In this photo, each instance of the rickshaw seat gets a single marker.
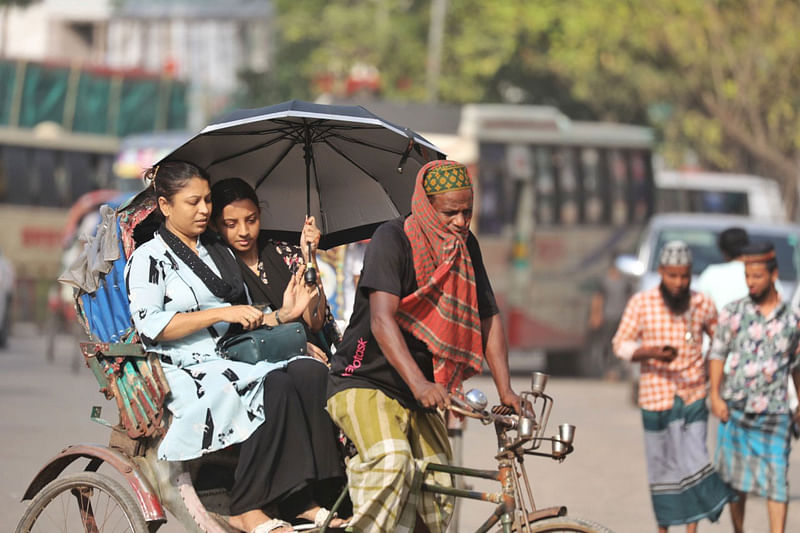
(127, 374)
(135, 380)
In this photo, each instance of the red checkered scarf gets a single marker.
(443, 311)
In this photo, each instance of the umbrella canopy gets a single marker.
(345, 166)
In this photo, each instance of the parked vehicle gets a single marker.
(6, 295)
(700, 232)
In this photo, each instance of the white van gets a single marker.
(716, 192)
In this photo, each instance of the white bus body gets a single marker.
(716, 192)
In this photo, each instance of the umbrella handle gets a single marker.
(310, 276)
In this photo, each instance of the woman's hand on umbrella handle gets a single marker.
(309, 235)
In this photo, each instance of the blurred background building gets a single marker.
(79, 78)
(565, 121)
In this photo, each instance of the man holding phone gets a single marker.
(662, 329)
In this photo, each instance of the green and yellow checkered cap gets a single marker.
(445, 178)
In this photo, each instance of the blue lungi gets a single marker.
(753, 453)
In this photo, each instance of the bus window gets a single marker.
(75, 165)
(44, 189)
(592, 192)
(640, 187)
(545, 187)
(493, 212)
(491, 219)
(564, 163)
(15, 172)
(618, 185)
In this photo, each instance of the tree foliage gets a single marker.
(724, 74)
(717, 78)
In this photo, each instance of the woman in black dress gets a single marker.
(267, 267)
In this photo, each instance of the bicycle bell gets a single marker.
(476, 399)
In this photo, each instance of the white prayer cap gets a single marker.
(675, 253)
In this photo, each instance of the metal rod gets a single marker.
(492, 497)
(308, 154)
(335, 508)
(527, 485)
(464, 471)
(522, 508)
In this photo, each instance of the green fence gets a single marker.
(85, 100)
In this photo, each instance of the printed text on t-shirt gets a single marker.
(361, 347)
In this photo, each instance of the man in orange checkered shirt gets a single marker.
(662, 329)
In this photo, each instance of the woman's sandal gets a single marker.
(270, 525)
(322, 516)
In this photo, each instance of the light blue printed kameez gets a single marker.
(214, 402)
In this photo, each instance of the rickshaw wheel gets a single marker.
(84, 501)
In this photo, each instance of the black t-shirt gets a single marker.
(389, 267)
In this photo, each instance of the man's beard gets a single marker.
(679, 303)
(761, 296)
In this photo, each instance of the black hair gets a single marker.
(230, 190)
(168, 178)
(731, 241)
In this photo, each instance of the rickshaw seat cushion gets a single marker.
(106, 310)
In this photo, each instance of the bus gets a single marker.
(49, 180)
(557, 200)
(695, 191)
(43, 171)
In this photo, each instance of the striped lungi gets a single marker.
(753, 453)
(683, 486)
(391, 441)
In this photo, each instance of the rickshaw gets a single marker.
(134, 490)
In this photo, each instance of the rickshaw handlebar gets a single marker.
(459, 406)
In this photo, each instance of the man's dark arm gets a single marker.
(383, 307)
(496, 350)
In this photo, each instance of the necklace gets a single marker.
(688, 335)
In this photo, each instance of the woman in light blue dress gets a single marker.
(186, 292)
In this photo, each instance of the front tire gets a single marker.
(567, 525)
(63, 504)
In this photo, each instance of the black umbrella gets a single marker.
(347, 167)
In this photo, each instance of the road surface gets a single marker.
(46, 407)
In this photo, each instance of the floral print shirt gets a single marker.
(290, 254)
(293, 257)
(760, 352)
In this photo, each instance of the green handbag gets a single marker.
(266, 343)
